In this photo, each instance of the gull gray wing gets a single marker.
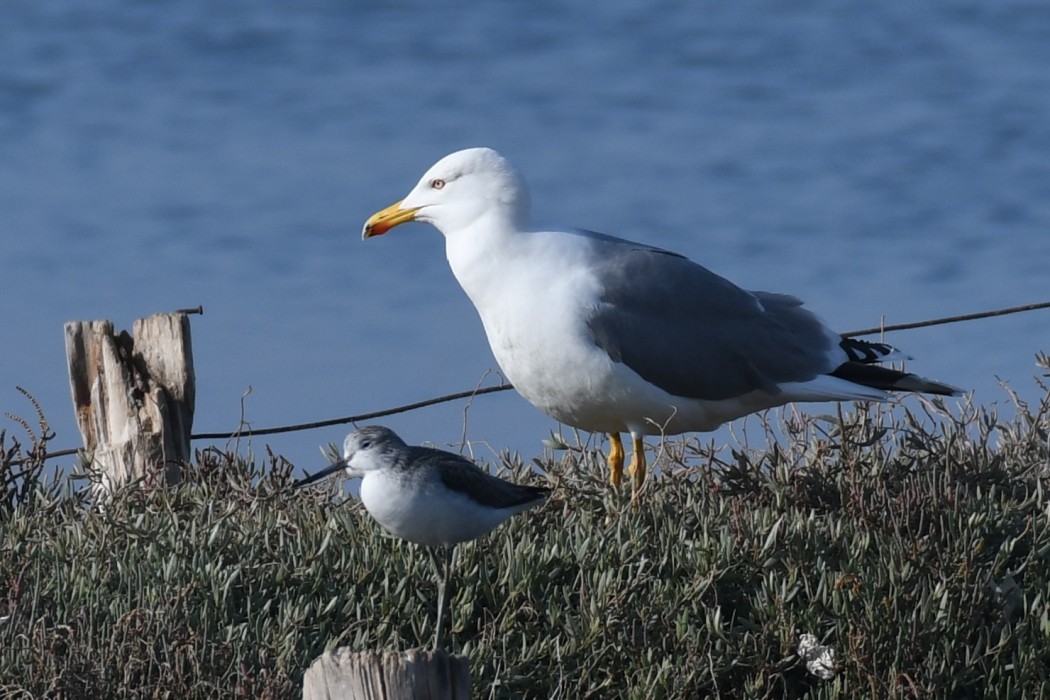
(697, 335)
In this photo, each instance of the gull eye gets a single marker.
(437, 183)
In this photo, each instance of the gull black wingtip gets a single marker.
(318, 476)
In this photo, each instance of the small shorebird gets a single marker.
(428, 496)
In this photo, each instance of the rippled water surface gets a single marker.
(881, 160)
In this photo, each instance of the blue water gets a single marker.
(883, 159)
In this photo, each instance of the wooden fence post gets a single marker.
(408, 675)
(133, 395)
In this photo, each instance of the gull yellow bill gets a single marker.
(386, 219)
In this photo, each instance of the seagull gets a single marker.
(609, 335)
(427, 496)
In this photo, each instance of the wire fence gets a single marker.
(503, 386)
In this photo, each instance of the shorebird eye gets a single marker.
(437, 183)
(366, 444)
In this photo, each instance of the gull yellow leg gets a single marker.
(615, 459)
(637, 468)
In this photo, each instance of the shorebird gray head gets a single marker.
(367, 449)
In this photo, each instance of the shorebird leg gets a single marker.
(615, 459)
(637, 468)
(443, 569)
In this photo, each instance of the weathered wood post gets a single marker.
(133, 395)
(407, 675)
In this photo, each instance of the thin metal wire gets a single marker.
(507, 387)
(354, 419)
(947, 319)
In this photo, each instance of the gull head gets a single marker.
(458, 191)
